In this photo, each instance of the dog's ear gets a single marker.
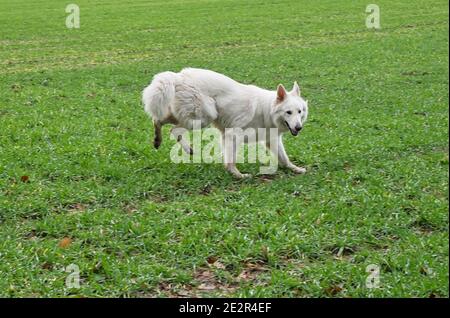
(281, 93)
(296, 89)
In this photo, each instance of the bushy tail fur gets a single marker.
(157, 99)
(159, 95)
(171, 98)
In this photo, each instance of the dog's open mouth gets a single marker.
(293, 131)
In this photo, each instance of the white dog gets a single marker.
(210, 97)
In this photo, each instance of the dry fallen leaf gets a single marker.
(25, 179)
(333, 290)
(206, 279)
(207, 282)
(47, 265)
(211, 259)
(204, 275)
(206, 286)
(65, 242)
(163, 286)
(183, 293)
(251, 272)
(244, 275)
(213, 262)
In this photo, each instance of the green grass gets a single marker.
(376, 149)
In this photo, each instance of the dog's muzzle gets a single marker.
(294, 131)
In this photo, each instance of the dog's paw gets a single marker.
(242, 175)
(299, 170)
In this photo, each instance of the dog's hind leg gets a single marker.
(158, 135)
(178, 132)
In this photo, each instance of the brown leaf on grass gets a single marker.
(251, 272)
(172, 291)
(163, 286)
(244, 275)
(65, 242)
(183, 293)
(208, 282)
(333, 290)
(213, 262)
(47, 265)
(204, 282)
(204, 275)
(206, 286)
(25, 179)
(211, 259)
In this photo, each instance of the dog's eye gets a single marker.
(299, 111)
(289, 112)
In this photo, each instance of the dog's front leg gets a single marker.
(283, 159)
(229, 146)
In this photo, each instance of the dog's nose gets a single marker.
(298, 127)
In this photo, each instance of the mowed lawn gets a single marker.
(81, 184)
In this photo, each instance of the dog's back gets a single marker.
(181, 98)
(209, 82)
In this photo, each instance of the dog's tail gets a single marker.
(159, 95)
(158, 98)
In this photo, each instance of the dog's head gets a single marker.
(290, 110)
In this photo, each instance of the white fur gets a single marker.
(213, 98)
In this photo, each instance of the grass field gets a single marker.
(81, 184)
